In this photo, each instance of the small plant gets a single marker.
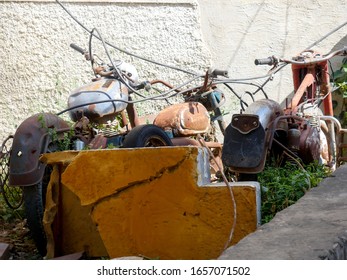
(283, 186)
(340, 79)
(9, 215)
(61, 141)
(111, 146)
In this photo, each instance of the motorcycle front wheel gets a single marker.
(147, 135)
(34, 206)
(34, 203)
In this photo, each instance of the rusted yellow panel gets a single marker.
(147, 202)
(67, 223)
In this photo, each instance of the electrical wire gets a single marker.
(165, 95)
(146, 59)
(232, 230)
(120, 76)
(326, 35)
(157, 97)
(122, 50)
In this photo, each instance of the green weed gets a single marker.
(283, 186)
(7, 214)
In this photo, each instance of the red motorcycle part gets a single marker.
(310, 146)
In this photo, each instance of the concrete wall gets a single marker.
(38, 69)
(237, 32)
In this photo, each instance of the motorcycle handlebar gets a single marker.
(318, 58)
(77, 48)
(218, 72)
(271, 60)
(302, 60)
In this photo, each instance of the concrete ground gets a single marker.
(313, 228)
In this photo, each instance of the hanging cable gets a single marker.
(232, 230)
(122, 50)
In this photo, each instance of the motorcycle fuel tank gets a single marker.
(184, 119)
(91, 100)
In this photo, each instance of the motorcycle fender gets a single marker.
(244, 146)
(30, 141)
(246, 138)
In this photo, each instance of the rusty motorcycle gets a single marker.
(305, 130)
(106, 98)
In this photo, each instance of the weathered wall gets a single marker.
(237, 32)
(38, 68)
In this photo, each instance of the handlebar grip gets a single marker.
(77, 48)
(218, 72)
(262, 61)
(139, 86)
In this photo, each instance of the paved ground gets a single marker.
(313, 228)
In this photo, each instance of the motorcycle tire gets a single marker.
(147, 135)
(247, 177)
(34, 205)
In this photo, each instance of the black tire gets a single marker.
(34, 204)
(247, 177)
(147, 135)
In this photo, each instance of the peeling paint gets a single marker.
(147, 202)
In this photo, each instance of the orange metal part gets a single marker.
(189, 118)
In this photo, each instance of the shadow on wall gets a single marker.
(337, 60)
(342, 43)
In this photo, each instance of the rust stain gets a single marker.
(147, 202)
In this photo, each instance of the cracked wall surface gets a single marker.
(146, 202)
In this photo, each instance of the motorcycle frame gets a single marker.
(307, 75)
(25, 166)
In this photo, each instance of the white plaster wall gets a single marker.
(38, 69)
(238, 31)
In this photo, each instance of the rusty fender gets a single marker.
(30, 141)
(246, 138)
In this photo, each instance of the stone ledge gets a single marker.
(313, 228)
(152, 202)
(4, 251)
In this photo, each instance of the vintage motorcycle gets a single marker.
(92, 108)
(304, 130)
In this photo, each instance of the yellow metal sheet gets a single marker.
(147, 202)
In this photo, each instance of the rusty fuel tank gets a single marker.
(184, 119)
